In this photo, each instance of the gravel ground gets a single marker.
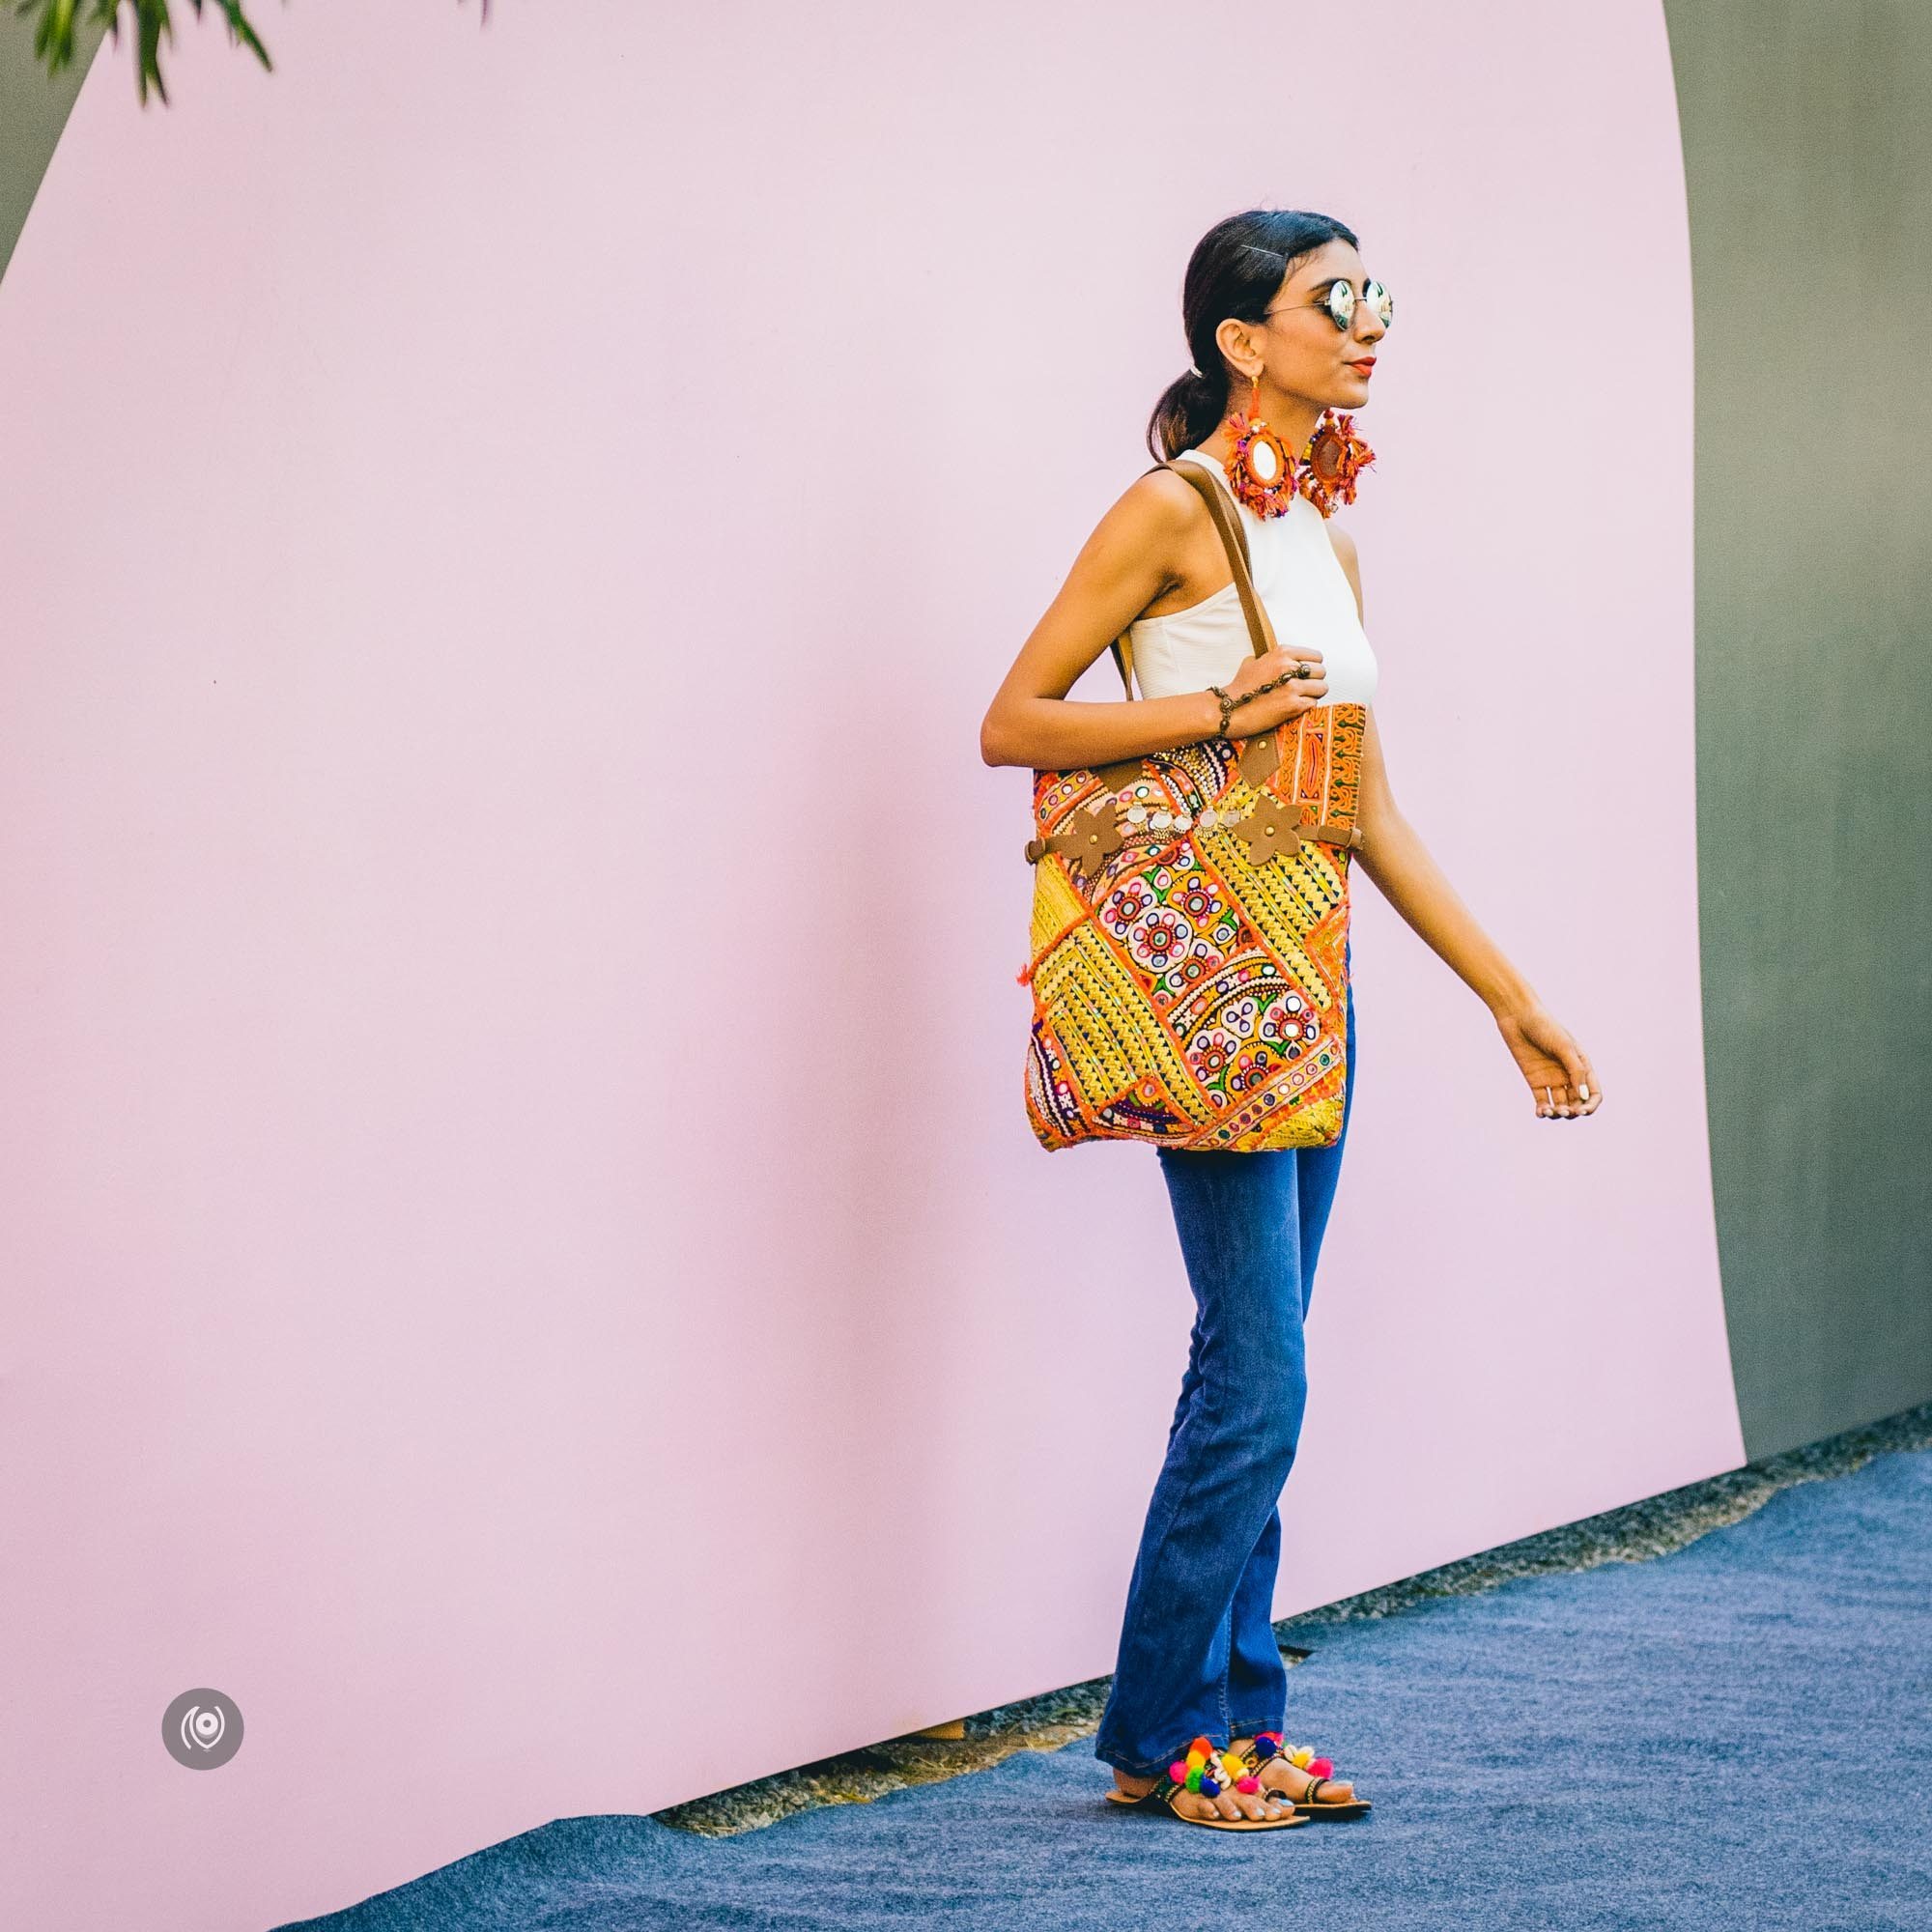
(1632, 1534)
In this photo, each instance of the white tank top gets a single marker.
(1299, 579)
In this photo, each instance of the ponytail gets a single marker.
(1189, 408)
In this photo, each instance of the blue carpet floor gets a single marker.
(1737, 1735)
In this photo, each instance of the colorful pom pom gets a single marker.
(1211, 1787)
(1195, 1759)
(1194, 1780)
(1248, 1784)
(1177, 1772)
(1320, 1767)
(1202, 1746)
(1265, 1748)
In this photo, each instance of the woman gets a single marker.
(1282, 323)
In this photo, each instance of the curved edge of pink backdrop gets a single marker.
(526, 1266)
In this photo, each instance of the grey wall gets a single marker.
(33, 109)
(1807, 137)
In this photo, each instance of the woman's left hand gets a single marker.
(1558, 1070)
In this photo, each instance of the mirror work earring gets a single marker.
(1334, 458)
(1261, 472)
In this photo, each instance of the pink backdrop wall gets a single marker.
(524, 1259)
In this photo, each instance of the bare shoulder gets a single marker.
(1155, 523)
(1160, 504)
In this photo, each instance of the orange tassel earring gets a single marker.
(1335, 457)
(1261, 472)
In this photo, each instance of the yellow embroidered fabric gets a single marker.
(1188, 960)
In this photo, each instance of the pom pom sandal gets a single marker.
(1311, 1803)
(1208, 1772)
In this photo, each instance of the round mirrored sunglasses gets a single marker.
(1341, 299)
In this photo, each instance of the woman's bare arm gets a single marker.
(1121, 569)
(1137, 552)
(1406, 873)
(1407, 876)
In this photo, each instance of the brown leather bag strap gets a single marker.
(1235, 541)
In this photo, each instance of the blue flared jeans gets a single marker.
(1198, 1652)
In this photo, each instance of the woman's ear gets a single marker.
(1237, 344)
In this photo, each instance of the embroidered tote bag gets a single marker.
(1190, 918)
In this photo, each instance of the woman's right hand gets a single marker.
(1277, 707)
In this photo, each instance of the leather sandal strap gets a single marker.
(1254, 1760)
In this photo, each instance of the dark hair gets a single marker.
(1236, 269)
